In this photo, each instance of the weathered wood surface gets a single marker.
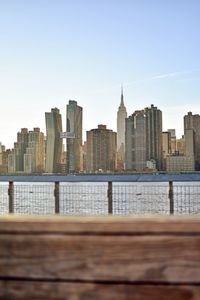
(18, 290)
(119, 258)
(99, 258)
(97, 224)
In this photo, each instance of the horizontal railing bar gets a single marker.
(187, 177)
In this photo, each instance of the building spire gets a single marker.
(122, 96)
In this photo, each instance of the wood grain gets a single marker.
(119, 258)
(100, 224)
(122, 258)
(17, 290)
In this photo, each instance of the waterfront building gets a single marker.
(166, 147)
(34, 156)
(2, 151)
(154, 135)
(54, 144)
(16, 157)
(4, 160)
(144, 139)
(173, 140)
(182, 163)
(180, 145)
(74, 145)
(193, 122)
(121, 120)
(84, 155)
(136, 155)
(28, 153)
(20, 149)
(190, 142)
(2, 148)
(12, 162)
(151, 165)
(179, 163)
(101, 150)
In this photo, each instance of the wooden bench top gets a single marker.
(59, 257)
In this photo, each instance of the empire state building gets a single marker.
(121, 119)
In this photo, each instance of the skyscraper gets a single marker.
(34, 156)
(101, 149)
(74, 146)
(136, 141)
(166, 147)
(121, 117)
(173, 140)
(193, 122)
(53, 141)
(28, 153)
(154, 135)
(144, 139)
(19, 150)
(183, 163)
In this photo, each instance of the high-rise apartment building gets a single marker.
(54, 144)
(136, 141)
(190, 142)
(193, 122)
(74, 146)
(2, 151)
(144, 140)
(2, 148)
(101, 149)
(28, 153)
(4, 159)
(173, 140)
(121, 120)
(181, 163)
(154, 135)
(180, 145)
(12, 162)
(166, 147)
(34, 156)
(16, 157)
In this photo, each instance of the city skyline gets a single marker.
(53, 51)
(144, 147)
(43, 129)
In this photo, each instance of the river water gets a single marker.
(88, 198)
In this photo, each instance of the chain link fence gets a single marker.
(140, 198)
(83, 199)
(93, 198)
(4, 207)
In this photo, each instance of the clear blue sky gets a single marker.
(53, 51)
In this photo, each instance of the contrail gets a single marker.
(161, 76)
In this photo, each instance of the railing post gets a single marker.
(110, 204)
(57, 197)
(11, 197)
(171, 198)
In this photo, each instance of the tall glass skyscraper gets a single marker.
(74, 145)
(53, 141)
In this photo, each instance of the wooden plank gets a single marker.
(111, 258)
(16, 290)
(106, 225)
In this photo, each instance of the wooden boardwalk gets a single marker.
(119, 258)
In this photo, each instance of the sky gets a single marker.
(55, 50)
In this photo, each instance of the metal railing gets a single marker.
(99, 198)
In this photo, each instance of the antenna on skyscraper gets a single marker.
(122, 95)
